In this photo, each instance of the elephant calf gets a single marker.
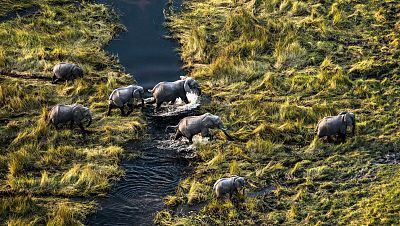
(170, 91)
(64, 71)
(125, 95)
(72, 114)
(231, 186)
(192, 125)
(336, 125)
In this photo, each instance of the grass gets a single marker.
(273, 69)
(42, 170)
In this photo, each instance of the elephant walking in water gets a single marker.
(231, 186)
(64, 71)
(72, 114)
(170, 91)
(125, 95)
(336, 125)
(192, 125)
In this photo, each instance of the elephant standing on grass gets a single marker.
(231, 186)
(336, 125)
(125, 95)
(192, 125)
(64, 71)
(72, 114)
(170, 91)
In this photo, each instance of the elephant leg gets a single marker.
(342, 137)
(71, 125)
(190, 138)
(172, 102)
(178, 135)
(110, 107)
(82, 128)
(158, 107)
(206, 133)
(130, 106)
(185, 99)
(122, 111)
(329, 138)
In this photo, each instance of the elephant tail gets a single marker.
(169, 127)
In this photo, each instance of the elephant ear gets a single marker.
(188, 84)
(77, 112)
(208, 120)
(77, 71)
(238, 182)
(343, 125)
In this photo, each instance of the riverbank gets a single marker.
(50, 176)
(273, 69)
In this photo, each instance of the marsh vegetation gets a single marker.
(50, 176)
(273, 69)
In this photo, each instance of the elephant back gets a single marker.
(63, 70)
(120, 96)
(331, 125)
(61, 113)
(168, 91)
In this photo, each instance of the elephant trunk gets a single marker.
(90, 122)
(230, 138)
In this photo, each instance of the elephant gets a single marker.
(72, 114)
(231, 186)
(170, 91)
(65, 71)
(192, 125)
(125, 95)
(336, 125)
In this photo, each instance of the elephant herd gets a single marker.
(168, 92)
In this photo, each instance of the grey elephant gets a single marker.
(65, 71)
(125, 95)
(170, 91)
(336, 125)
(231, 186)
(72, 114)
(192, 125)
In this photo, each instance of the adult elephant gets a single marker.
(170, 91)
(72, 114)
(125, 96)
(65, 71)
(231, 186)
(192, 125)
(336, 125)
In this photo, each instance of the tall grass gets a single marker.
(275, 68)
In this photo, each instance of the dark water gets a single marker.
(142, 50)
(150, 58)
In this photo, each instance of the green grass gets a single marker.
(273, 69)
(42, 169)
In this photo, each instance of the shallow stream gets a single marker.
(150, 58)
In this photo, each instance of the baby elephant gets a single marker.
(72, 114)
(231, 186)
(125, 95)
(170, 91)
(64, 71)
(192, 125)
(336, 125)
